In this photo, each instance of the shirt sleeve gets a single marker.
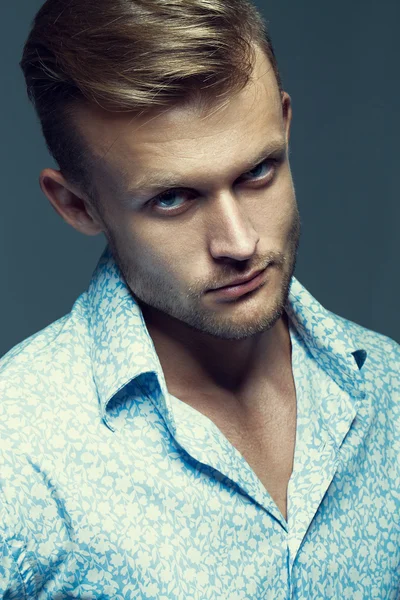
(11, 582)
(17, 579)
(35, 531)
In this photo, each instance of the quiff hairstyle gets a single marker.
(134, 56)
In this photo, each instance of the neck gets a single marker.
(192, 360)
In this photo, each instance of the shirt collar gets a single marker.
(122, 348)
(330, 338)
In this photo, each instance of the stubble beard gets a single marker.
(150, 291)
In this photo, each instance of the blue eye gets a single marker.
(168, 198)
(260, 170)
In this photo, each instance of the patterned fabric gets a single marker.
(112, 488)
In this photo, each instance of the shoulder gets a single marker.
(382, 352)
(44, 368)
(329, 329)
(42, 347)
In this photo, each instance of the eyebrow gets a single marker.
(159, 181)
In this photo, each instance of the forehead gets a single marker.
(181, 138)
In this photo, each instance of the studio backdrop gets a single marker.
(339, 62)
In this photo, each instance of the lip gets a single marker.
(234, 291)
(240, 280)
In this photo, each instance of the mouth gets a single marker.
(237, 290)
(241, 280)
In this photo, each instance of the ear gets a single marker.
(287, 113)
(73, 206)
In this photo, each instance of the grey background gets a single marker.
(339, 62)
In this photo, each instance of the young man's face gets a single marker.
(220, 218)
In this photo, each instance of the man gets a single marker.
(198, 426)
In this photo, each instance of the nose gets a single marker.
(231, 233)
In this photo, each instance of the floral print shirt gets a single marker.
(112, 488)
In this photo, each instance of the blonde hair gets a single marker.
(133, 56)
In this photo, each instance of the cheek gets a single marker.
(133, 239)
(158, 251)
(275, 218)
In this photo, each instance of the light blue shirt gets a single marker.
(111, 488)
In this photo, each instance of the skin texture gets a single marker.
(227, 222)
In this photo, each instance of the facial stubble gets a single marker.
(154, 291)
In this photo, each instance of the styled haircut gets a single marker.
(134, 56)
